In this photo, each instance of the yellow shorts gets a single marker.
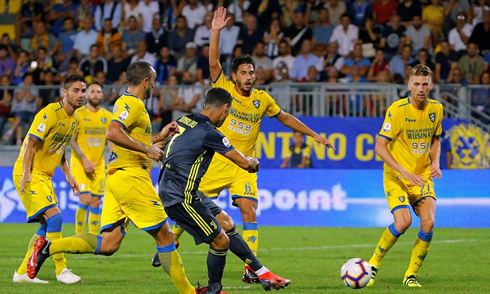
(400, 192)
(89, 183)
(239, 182)
(130, 196)
(38, 195)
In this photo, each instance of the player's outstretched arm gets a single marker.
(27, 161)
(292, 122)
(116, 135)
(219, 22)
(246, 162)
(435, 155)
(381, 149)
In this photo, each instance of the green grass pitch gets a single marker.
(458, 262)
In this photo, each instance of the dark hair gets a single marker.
(345, 15)
(71, 79)
(5, 35)
(217, 97)
(26, 75)
(137, 72)
(43, 49)
(132, 17)
(260, 42)
(92, 46)
(244, 59)
(3, 47)
(95, 83)
(68, 18)
(108, 19)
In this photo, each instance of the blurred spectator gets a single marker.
(370, 36)
(250, 34)
(399, 62)
(5, 102)
(303, 61)
(260, 76)
(265, 11)
(357, 102)
(355, 75)
(11, 47)
(423, 57)
(188, 62)
(117, 64)
(298, 154)
(42, 62)
(142, 54)
(393, 37)
(472, 64)
(479, 7)
(85, 10)
(378, 65)
(157, 37)
(460, 35)
(446, 62)
(72, 68)
(332, 74)
(446, 156)
(188, 98)
(237, 51)
(324, 30)
(345, 34)
(30, 12)
(262, 60)
(357, 11)
(108, 9)
(237, 9)
(132, 35)
(333, 58)
(24, 106)
(433, 16)
(165, 65)
(93, 63)
(284, 59)
(298, 32)
(480, 98)
(60, 12)
(130, 9)
(336, 9)
(228, 37)
(52, 94)
(458, 77)
(407, 9)
(383, 10)
(451, 11)
(203, 32)
(148, 9)
(120, 86)
(107, 38)
(203, 72)
(23, 66)
(85, 38)
(194, 12)
(167, 95)
(481, 33)
(67, 40)
(356, 58)
(418, 34)
(272, 38)
(180, 36)
(42, 38)
(7, 64)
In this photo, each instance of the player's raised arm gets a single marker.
(219, 22)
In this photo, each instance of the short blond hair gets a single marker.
(420, 70)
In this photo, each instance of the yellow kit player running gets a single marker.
(43, 149)
(87, 158)
(409, 145)
(130, 196)
(242, 127)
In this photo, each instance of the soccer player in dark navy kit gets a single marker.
(186, 158)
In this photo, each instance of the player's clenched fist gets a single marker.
(254, 164)
(154, 152)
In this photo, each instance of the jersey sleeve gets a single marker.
(222, 82)
(126, 112)
(217, 142)
(438, 130)
(390, 126)
(43, 122)
(272, 109)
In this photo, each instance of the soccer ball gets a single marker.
(355, 273)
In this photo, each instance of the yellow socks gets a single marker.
(173, 266)
(59, 258)
(419, 252)
(251, 236)
(94, 220)
(80, 218)
(83, 243)
(178, 231)
(388, 239)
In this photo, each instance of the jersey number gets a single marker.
(182, 130)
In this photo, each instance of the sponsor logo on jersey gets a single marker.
(387, 127)
(256, 103)
(41, 128)
(103, 120)
(124, 115)
(432, 117)
(226, 142)
(410, 119)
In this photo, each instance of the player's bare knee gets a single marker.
(221, 241)
(225, 221)
(95, 202)
(248, 210)
(427, 223)
(403, 224)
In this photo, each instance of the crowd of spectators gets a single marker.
(352, 41)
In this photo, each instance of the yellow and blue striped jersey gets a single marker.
(242, 126)
(54, 128)
(130, 112)
(92, 129)
(410, 131)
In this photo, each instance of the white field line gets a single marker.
(440, 202)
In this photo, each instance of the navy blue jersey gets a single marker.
(187, 157)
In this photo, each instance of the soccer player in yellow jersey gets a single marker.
(43, 149)
(129, 194)
(242, 129)
(409, 145)
(87, 158)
